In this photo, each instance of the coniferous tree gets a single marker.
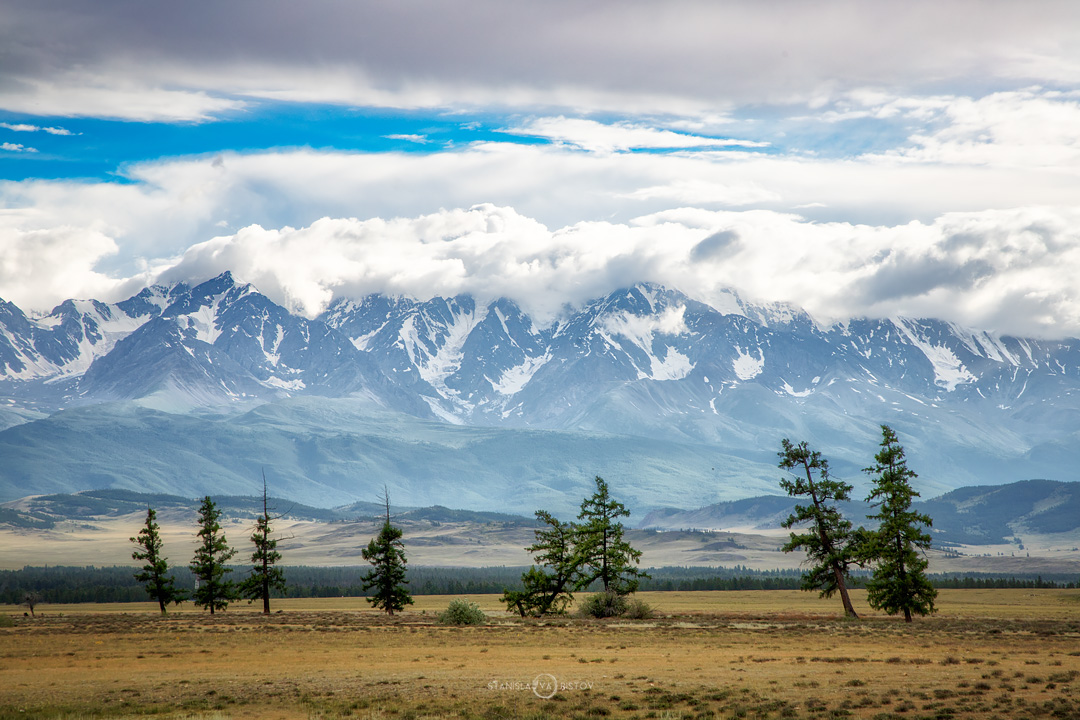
(548, 592)
(265, 576)
(603, 553)
(386, 553)
(160, 585)
(212, 588)
(899, 583)
(830, 543)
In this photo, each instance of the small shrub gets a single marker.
(462, 612)
(604, 605)
(6, 621)
(638, 609)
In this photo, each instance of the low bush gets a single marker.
(638, 609)
(462, 612)
(612, 604)
(604, 605)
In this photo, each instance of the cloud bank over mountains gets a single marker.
(1008, 271)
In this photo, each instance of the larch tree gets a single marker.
(603, 553)
(899, 583)
(265, 575)
(829, 542)
(550, 582)
(213, 590)
(154, 575)
(386, 553)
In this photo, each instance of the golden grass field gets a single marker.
(780, 654)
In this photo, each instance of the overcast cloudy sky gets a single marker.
(855, 158)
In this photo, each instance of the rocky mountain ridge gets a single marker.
(644, 362)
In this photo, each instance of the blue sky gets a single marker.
(99, 148)
(866, 159)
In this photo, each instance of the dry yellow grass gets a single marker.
(752, 654)
(1004, 603)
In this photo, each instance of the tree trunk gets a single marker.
(849, 609)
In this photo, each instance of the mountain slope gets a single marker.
(327, 452)
(646, 367)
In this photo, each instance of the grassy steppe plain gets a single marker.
(986, 654)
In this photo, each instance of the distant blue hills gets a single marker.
(969, 516)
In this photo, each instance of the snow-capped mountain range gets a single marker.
(643, 362)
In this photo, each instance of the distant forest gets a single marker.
(62, 584)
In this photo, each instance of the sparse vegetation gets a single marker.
(604, 605)
(638, 609)
(462, 612)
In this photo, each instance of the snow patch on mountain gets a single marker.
(514, 379)
(33, 366)
(271, 353)
(204, 322)
(746, 366)
(796, 393)
(949, 371)
(446, 360)
(674, 366)
(293, 385)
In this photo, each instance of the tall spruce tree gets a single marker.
(550, 591)
(386, 553)
(213, 590)
(160, 585)
(265, 576)
(899, 583)
(603, 553)
(829, 541)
